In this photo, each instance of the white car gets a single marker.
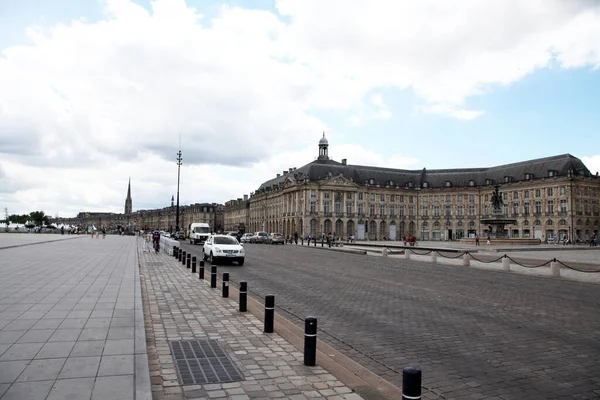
(223, 247)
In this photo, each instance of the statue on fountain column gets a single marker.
(497, 202)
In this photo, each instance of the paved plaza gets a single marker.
(71, 319)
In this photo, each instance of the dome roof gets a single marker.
(323, 141)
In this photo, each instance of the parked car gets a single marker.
(236, 235)
(275, 238)
(259, 237)
(223, 247)
(179, 235)
(246, 238)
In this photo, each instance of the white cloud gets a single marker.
(86, 105)
(592, 163)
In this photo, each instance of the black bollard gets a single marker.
(188, 262)
(269, 312)
(315, 240)
(411, 383)
(213, 276)
(321, 242)
(194, 265)
(175, 249)
(302, 240)
(183, 258)
(201, 270)
(225, 288)
(310, 341)
(179, 254)
(243, 296)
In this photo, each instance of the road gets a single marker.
(474, 333)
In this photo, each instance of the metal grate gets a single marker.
(203, 361)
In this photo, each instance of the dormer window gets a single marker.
(507, 178)
(488, 182)
(371, 181)
(425, 185)
(448, 184)
(528, 176)
(409, 184)
(552, 173)
(471, 183)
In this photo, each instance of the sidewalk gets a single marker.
(178, 306)
(71, 320)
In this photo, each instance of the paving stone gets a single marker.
(41, 370)
(24, 351)
(113, 387)
(28, 390)
(55, 350)
(72, 389)
(10, 370)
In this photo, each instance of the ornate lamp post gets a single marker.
(178, 174)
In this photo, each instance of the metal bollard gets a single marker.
(315, 242)
(175, 250)
(179, 254)
(466, 260)
(269, 313)
(183, 258)
(411, 383)
(201, 270)
(213, 276)
(505, 263)
(225, 286)
(433, 257)
(310, 341)
(194, 265)
(407, 254)
(188, 262)
(302, 240)
(321, 242)
(243, 296)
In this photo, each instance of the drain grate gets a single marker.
(203, 361)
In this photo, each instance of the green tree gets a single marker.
(18, 219)
(39, 218)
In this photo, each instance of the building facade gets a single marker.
(553, 196)
(236, 215)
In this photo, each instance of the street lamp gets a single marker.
(178, 174)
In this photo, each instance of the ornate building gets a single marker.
(236, 214)
(553, 196)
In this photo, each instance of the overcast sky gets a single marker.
(94, 92)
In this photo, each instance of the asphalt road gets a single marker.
(474, 333)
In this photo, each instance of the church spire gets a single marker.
(323, 145)
(128, 201)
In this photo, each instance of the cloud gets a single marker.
(592, 162)
(85, 105)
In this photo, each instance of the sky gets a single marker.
(96, 92)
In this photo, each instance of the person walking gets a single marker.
(476, 240)
(147, 240)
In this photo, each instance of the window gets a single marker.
(401, 208)
(538, 192)
(551, 173)
(349, 196)
(515, 195)
(425, 211)
(459, 198)
(563, 190)
(448, 199)
(361, 209)
(526, 208)
(515, 209)
(563, 207)
(471, 182)
(338, 207)
(448, 210)
(550, 206)
(360, 196)
(225, 240)
(425, 199)
(382, 197)
(326, 195)
(392, 198)
(526, 194)
(436, 199)
(410, 199)
(349, 207)
(425, 185)
(538, 207)
(326, 208)
(585, 207)
(382, 210)
(313, 206)
(411, 211)
(372, 196)
(459, 211)
(471, 210)
(448, 184)
(392, 210)
(550, 192)
(401, 197)
(436, 211)
(471, 198)
(372, 210)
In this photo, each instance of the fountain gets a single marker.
(497, 221)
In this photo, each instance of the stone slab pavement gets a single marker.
(71, 319)
(180, 306)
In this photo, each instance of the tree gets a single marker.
(18, 219)
(39, 217)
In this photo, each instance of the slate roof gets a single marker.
(323, 169)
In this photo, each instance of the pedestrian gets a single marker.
(476, 240)
(296, 237)
(147, 243)
(489, 242)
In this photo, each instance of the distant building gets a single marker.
(235, 214)
(553, 196)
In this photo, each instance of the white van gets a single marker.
(199, 232)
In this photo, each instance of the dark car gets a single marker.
(236, 235)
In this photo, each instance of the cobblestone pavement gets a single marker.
(179, 306)
(13, 239)
(475, 333)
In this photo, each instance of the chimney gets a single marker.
(245, 197)
(278, 175)
(294, 168)
(344, 161)
(291, 169)
(285, 172)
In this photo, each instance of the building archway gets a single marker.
(350, 228)
(339, 228)
(313, 227)
(382, 230)
(327, 226)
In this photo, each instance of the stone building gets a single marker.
(236, 214)
(553, 196)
